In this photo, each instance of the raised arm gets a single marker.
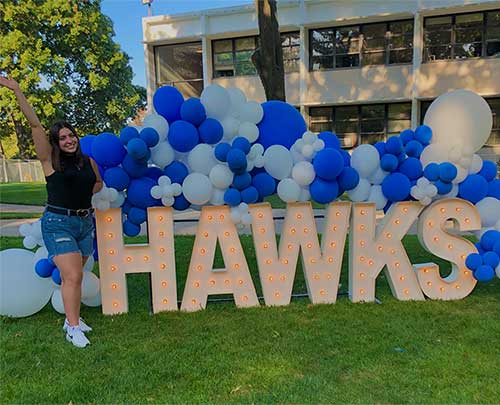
(42, 145)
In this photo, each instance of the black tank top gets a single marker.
(71, 188)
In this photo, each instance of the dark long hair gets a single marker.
(58, 156)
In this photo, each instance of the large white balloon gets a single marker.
(221, 176)
(157, 122)
(41, 253)
(289, 190)
(237, 98)
(460, 117)
(489, 211)
(361, 191)
(162, 154)
(303, 173)
(57, 301)
(89, 264)
(197, 188)
(217, 197)
(90, 285)
(278, 161)
(201, 159)
(378, 176)
(216, 101)
(434, 153)
(377, 196)
(365, 159)
(22, 291)
(94, 301)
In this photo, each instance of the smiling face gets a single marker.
(68, 141)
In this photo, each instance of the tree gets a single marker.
(63, 55)
(268, 58)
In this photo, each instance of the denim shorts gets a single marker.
(67, 234)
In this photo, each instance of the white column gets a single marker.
(304, 58)
(150, 75)
(418, 46)
(206, 54)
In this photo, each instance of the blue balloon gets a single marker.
(131, 229)
(116, 177)
(474, 188)
(242, 181)
(489, 238)
(348, 178)
(411, 168)
(330, 139)
(183, 136)
(154, 173)
(282, 124)
(242, 144)
(137, 148)
(473, 261)
(324, 192)
(265, 184)
(56, 276)
(211, 131)
(134, 168)
(494, 189)
(139, 192)
(396, 187)
(128, 133)
(401, 157)
(221, 151)
(176, 172)
(442, 187)
(127, 206)
(489, 170)
(193, 111)
(480, 248)
(250, 195)
(380, 146)
(406, 136)
(86, 144)
(137, 215)
(484, 273)
(394, 145)
(237, 161)
(431, 172)
(232, 197)
(181, 203)
(328, 163)
(491, 259)
(150, 137)
(496, 247)
(389, 162)
(346, 156)
(167, 101)
(447, 172)
(108, 150)
(423, 134)
(414, 148)
(44, 268)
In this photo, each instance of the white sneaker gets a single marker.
(83, 326)
(75, 335)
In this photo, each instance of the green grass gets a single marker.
(396, 352)
(19, 215)
(23, 193)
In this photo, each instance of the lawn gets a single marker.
(23, 193)
(395, 352)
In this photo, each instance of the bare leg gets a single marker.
(70, 266)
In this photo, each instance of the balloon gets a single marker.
(484, 273)
(380, 146)
(89, 264)
(56, 276)
(44, 268)
(237, 98)
(131, 229)
(201, 159)
(107, 150)
(407, 136)
(396, 187)
(29, 242)
(137, 215)
(167, 102)
(491, 259)
(282, 125)
(394, 145)
(193, 111)
(389, 162)
(157, 122)
(474, 188)
(150, 137)
(264, 183)
(211, 131)
(328, 163)
(431, 171)
(476, 164)
(251, 112)
(57, 301)
(86, 144)
(288, 190)
(489, 238)
(127, 134)
(494, 189)
(361, 191)
(138, 192)
(197, 188)
(377, 196)
(488, 170)
(378, 176)
(221, 151)
(242, 143)
(489, 211)
(473, 261)
(414, 149)
(22, 291)
(447, 172)
(459, 117)
(162, 154)
(176, 172)
(303, 173)
(434, 153)
(365, 159)
(216, 101)
(442, 187)
(41, 253)
(232, 197)
(221, 176)
(242, 181)
(133, 167)
(278, 161)
(117, 178)
(348, 178)
(231, 126)
(181, 203)
(236, 160)
(90, 285)
(330, 139)
(249, 195)
(217, 197)
(183, 136)
(324, 192)
(423, 134)
(411, 168)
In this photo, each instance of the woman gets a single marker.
(67, 225)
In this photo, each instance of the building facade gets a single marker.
(364, 69)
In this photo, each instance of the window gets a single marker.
(180, 65)
(368, 44)
(462, 36)
(361, 124)
(233, 57)
(494, 103)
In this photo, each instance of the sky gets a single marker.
(127, 22)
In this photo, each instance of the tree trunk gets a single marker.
(24, 141)
(268, 58)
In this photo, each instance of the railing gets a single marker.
(20, 171)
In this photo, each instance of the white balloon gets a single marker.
(89, 264)
(288, 190)
(235, 215)
(176, 189)
(305, 195)
(308, 151)
(249, 131)
(216, 101)
(497, 271)
(246, 219)
(361, 191)
(434, 153)
(41, 253)
(156, 192)
(57, 301)
(303, 173)
(217, 197)
(461, 175)
(378, 176)
(201, 159)
(476, 164)
(94, 301)
(365, 159)
(221, 176)
(25, 229)
(417, 193)
(237, 98)
(230, 125)
(162, 154)
(118, 202)
(377, 196)
(197, 188)
(112, 194)
(459, 117)
(309, 137)
(22, 291)
(157, 122)
(278, 161)
(167, 201)
(29, 242)
(164, 181)
(90, 285)
(296, 155)
(489, 211)
(251, 111)
(453, 193)
(318, 145)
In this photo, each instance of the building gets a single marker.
(364, 69)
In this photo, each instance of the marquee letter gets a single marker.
(116, 260)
